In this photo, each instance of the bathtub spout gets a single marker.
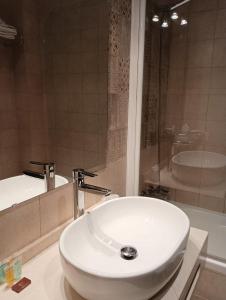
(48, 172)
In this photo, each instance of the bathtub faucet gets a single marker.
(48, 173)
(80, 187)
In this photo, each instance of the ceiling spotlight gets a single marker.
(155, 18)
(174, 16)
(165, 24)
(183, 22)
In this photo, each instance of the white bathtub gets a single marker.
(199, 167)
(215, 224)
(17, 189)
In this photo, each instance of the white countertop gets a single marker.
(48, 281)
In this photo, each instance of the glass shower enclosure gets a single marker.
(183, 129)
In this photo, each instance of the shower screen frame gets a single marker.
(135, 96)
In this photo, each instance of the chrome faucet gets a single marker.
(80, 187)
(48, 173)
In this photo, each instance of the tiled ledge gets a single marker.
(45, 241)
(29, 221)
(48, 282)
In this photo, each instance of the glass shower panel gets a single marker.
(156, 66)
(183, 144)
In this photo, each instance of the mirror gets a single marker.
(53, 86)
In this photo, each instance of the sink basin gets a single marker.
(126, 249)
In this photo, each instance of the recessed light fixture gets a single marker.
(165, 24)
(155, 18)
(183, 22)
(174, 16)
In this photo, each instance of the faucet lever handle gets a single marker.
(89, 174)
(83, 173)
(39, 163)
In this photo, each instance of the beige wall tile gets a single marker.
(174, 104)
(221, 24)
(75, 103)
(211, 203)
(112, 177)
(198, 78)
(91, 105)
(219, 54)
(186, 197)
(178, 54)
(200, 54)
(56, 207)
(202, 26)
(216, 108)
(216, 133)
(218, 78)
(222, 4)
(176, 79)
(19, 226)
(195, 106)
(203, 5)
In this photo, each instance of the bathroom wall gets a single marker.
(88, 113)
(113, 175)
(31, 220)
(61, 78)
(22, 127)
(29, 91)
(70, 85)
(9, 148)
(75, 61)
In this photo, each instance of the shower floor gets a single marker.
(214, 223)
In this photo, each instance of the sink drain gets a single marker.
(128, 253)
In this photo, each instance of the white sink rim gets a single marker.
(134, 274)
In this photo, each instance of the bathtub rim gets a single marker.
(174, 160)
(214, 264)
(32, 199)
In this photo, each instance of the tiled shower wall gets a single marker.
(197, 90)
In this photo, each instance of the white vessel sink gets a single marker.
(91, 246)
